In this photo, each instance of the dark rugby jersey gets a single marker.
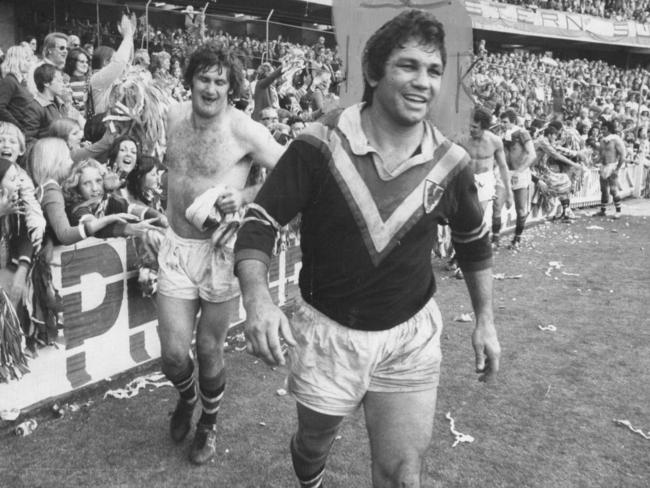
(366, 240)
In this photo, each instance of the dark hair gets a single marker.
(611, 126)
(71, 60)
(511, 115)
(211, 55)
(413, 24)
(483, 117)
(136, 177)
(115, 149)
(557, 124)
(44, 74)
(550, 130)
(100, 55)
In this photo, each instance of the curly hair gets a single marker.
(214, 54)
(413, 24)
(70, 186)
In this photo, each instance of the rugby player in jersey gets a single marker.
(371, 183)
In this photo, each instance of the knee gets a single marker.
(209, 350)
(174, 360)
(402, 473)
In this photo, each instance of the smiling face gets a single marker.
(210, 91)
(127, 156)
(9, 147)
(81, 65)
(91, 183)
(58, 53)
(411, 81)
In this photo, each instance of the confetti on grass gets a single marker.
(628, 424)
(547, 328)
(134, 386)
(460, 437)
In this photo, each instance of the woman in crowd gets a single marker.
(77, 67)
(143, 183)
(15, 98)
(122, 159)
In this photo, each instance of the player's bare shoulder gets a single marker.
(257, 139)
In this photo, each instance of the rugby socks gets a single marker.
(310, 466)
(185, 383)
(617, 203)
(565, 206)
(315, 481)
(520, 224)
(211, 390)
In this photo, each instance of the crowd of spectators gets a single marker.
(581, 94)
(82, 131)
(82, 143)
(619, 10)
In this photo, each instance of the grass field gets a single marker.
(548, 422)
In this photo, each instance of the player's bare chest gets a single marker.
(202, 152)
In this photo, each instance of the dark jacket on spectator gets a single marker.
(15, 100)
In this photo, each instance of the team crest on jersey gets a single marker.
(432, 194)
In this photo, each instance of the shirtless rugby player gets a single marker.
(520, 154)
(210, 146)
(486, 150)
(612, 157)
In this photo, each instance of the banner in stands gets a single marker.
(109, 327)
(515, 19)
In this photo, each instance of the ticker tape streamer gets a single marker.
(547, 328)
(460, 437)
(134, 386)
(628, 424)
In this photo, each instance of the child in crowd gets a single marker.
(12, 147)
(87, 199)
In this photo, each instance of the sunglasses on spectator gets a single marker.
(62, 48)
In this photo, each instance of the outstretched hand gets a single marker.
(265, 323)
(487, 351)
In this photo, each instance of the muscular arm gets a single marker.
(500, 158)
(265, 150)
(484, 338)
